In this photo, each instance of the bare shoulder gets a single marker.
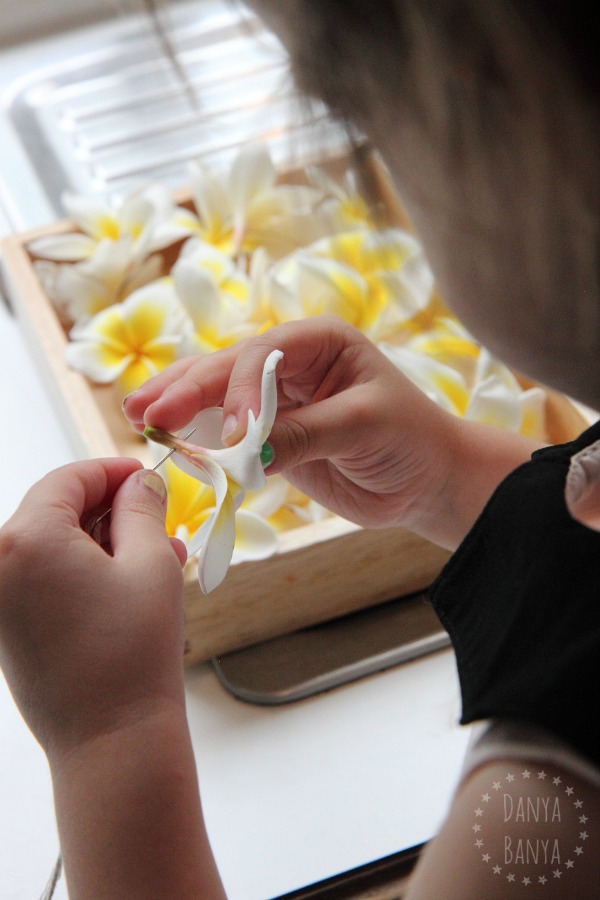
(516, 828)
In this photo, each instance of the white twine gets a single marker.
(53, 880)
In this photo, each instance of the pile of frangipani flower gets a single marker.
(150, 281)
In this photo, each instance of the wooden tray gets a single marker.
(321, 571)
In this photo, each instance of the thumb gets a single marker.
(138, 513)
(582, 486)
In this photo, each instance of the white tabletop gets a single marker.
(293, 794)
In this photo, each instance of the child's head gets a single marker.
(487, 116)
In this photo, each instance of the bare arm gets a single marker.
(129, 813)
(91, 644)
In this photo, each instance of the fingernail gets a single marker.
(126, 398)
(153, 481)
(230, 425)
(583, 476)
(267, 455)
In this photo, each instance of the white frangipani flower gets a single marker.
(498, 399)
(246, 209)
(376, 281)
(492, 396)
(343, 208)
(136, 217)
(80, 290)
(132, 340)
(231, 471)
(440, 382)
(216, 295)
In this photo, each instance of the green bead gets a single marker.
(267, 455)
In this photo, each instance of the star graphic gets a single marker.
(578, 804)
(569, 791)
(557, 780)
(570, 864)
(496, 870)
(557, 873)
(479, 844)
(479, 811)
(510, 777)
(542, 879)
(526, 880)
(578, 850)
(583, 819)
(510, 877)
(526, 773)
(485, 798)
(486, 857)
(583, 835)
(542, 775)
(496, 785)
(476, 828)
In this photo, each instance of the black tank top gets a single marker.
(520, 599)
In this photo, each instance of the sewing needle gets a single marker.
(153, 469)
(171, 452)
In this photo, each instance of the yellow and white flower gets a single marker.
(498, 399)
(247, 209)
(131, 341)
(447, 341)
(136, 217)
(217, 296)
(192, 503)
(376, 281)
(439, 381)
(492, 395)
(230, 471)
(80, 290)
(342, 208)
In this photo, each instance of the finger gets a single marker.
(180, 551)
(137, 527)
(310, 348)
(74, 490)
(321, 430)
(173, 401)
(136, 403)
(582, 486)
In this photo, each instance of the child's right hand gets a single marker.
(351, 431)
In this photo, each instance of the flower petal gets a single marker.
(71, 247)
(98, 361)
(242, 461)
(268, 501)
(252, 172)
(219, 537)
(268, 396)
(254, 538)
(199, 295)
(440, 382)
(210, 199)
(92, 215)
(533, 413)
(494, 403)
